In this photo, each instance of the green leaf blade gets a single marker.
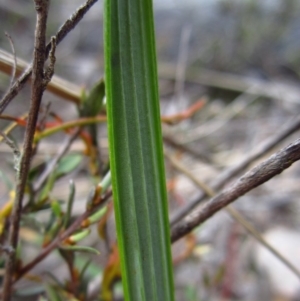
(136, 151)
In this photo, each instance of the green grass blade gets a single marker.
(136, 156)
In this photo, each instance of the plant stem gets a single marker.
(260, 174)
(37, 89)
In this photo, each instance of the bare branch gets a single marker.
(231, 172)
(62, 32)
(234, 213)
(37, 89)
(253, 178)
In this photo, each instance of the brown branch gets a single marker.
(62, 32)
(231, 172)
(255, 177)
(234, 213)
(37, 89)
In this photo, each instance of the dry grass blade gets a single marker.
(57, 85)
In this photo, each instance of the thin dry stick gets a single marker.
(182, 61)
(51, 165)
(38, 86)
(253, 178)
(63, 31)
(228, 81)
(236, 107)
(196, 154)
(14, 69)
(234, 213)
(231, 172)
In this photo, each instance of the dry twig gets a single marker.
(182, 62)
(228, 81)
(236, 107)
(196, 154)
(52, 164)
(14, 69)
(234, 213)
(253, 178)
(231, 172)
(38, 86)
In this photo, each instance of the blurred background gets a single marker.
(243, 58)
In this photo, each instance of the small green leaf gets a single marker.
(91, 106)
(44, 195)
(70, 203)
(56, 208)
(92, 103)
(83, 249)
(31, 291)
(52, 293)
(106, 182)
(67, 164)
(83, 269)
(97, 215)
(91, 198)
(54, 228)
(79, 235)
(92, 271)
